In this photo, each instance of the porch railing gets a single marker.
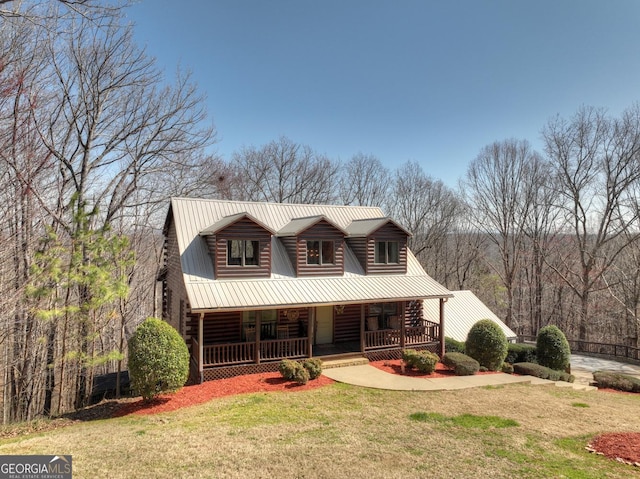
(603, 349)
(242, 353)
(414, 335)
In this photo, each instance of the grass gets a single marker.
(349, 432)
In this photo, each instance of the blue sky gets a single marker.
(426, 81)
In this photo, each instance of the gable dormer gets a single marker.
(380, 244)
(315, 246)
(240, 247)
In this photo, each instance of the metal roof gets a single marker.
(205, 293)
(298, 225)
(229, 220)
(365, 227)
(461, 313)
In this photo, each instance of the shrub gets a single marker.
(314, 367)
(507, 368)
(423, 361)
(520, 353)
(461, 364)
(621, 382)
(288, 369)
(301, 376)
(553, 349)
(453, 345)
(487, 344)
(542, 372)
(158, 359)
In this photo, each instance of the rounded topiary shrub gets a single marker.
(487, 344)
(453, 346)
(158, 359)
(552, 348)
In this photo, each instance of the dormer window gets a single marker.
(320, 252)
(243, 252)
(387, 252)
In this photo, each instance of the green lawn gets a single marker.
(345, 432)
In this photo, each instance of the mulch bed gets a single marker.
(621, 446)
(395, 367)
(201, 393)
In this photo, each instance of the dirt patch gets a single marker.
(621, 446)
(200, 393)
(395, 367)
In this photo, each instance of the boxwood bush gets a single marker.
(542, 372)
(158, 359)
(461, 364)
(553, 349)
(288, 369)
(621, 382)
(313, 367)
(487, 344)
(521, 353)
(453, 346)
(423, 361)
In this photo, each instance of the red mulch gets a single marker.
(394, 366)
(622, 446)
(201, 393)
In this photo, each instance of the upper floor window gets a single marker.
(320, 252)
(387, 252)
(243, 252)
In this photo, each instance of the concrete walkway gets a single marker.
(372, 377)
(368, 376)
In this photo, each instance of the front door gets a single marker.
(324, 322)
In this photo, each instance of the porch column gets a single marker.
(442, 301)
(403, 325)
(310, 329)
(200, 346)
(363, 343)
(256, 351)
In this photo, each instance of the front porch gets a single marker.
(265, 338)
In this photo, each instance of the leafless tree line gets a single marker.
(90, 132)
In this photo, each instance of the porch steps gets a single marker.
(343, 360)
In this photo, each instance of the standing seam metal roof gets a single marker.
(205, 293)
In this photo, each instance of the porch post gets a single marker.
(403, 325)
(363, 342)
(200, 346)
(442, 301)
(310, 328)
(256, 351)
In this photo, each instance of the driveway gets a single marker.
(582, 367)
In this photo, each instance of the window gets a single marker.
(320, 252)
(243, 252)
(387, 252)
(383, 316)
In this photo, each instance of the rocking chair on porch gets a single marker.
(249, 334)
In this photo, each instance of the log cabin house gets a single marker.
(247, 284)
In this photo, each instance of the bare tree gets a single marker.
(89, 129)
(427, 208)
(596, 161)
(499, 187)
(284, 172)
(364, 181)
